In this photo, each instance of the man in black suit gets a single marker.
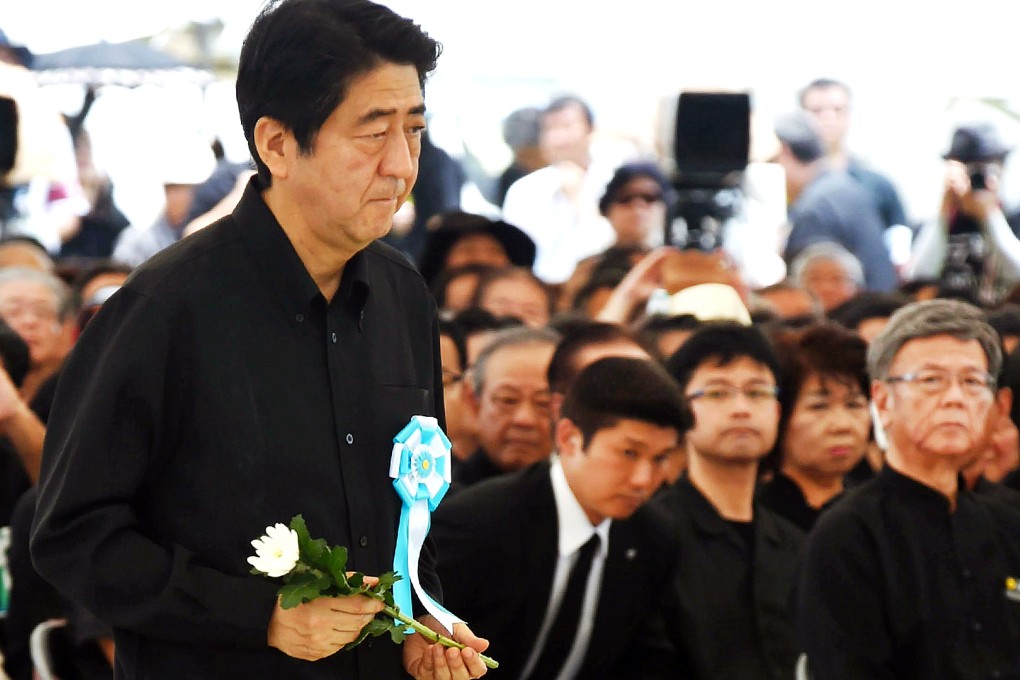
(260, 369)
(508, 547)
(737, 559)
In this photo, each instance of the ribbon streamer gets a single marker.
(420, 468)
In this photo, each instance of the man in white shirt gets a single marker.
(557, 206)
(562, 565)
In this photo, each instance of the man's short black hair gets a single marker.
(1005, 320)
(797, 131)
(567, 101)
(721, 342)
(625, 388)
(823, 84)
(579, 334)
(867, 305)
(300, 58)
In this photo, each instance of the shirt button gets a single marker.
(334, 338)
(976, 626)
(995, 673)
(350, 438)
(967, 573)
(363, 541)
(299, 318)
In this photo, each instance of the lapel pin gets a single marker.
(1013, 589)
(631, 553)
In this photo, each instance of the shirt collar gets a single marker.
(574, 527)
(276, 258)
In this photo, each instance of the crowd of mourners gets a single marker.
(669, 463)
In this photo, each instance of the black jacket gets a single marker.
(497, 546)
(733, 610)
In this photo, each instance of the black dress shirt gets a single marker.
(732, 615)
(215, 394)
(476, 468)
(782, 496)
(896, 585)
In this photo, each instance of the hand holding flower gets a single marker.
(322, 627)
(323, 608)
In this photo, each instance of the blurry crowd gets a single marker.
(572, 263)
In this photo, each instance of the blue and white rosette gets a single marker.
(420, 468)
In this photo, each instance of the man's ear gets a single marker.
(881, 398)
(555, 403)
(469, 397)
(1004, 400)
(275, 145)
(568, 439)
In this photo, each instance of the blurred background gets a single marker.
(916, 69)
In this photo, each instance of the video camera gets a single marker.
(711, 146)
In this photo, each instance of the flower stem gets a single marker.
(431, 635)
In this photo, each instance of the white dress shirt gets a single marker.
(574, 531)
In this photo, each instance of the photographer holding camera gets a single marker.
(971, 246)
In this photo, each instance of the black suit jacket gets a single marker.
(732, 617)
(497, 543)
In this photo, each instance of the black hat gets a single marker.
(626, 173)
(519, 247)
(975, 143)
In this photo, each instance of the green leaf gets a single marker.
(311, 550)
(335, 563)
(303, 588)
(387, 580)
(397, 633)
(375, 627)
(357, 581)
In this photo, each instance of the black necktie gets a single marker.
(560, 637)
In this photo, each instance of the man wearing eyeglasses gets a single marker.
(914, 576)
(732, 616)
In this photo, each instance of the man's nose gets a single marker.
(399, 157)
(528, 413)
(646, 473)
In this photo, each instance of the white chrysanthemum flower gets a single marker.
(277, 552)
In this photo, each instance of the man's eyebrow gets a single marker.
(376, 114)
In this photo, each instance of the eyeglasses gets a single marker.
(756, 394)
(937, 381)
(648, 198)
(17, 309)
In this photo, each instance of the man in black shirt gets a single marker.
(737, 559)
(909, 576)
(257, 370)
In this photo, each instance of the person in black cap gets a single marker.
(635, 203)
(971, 245)
(459, 238)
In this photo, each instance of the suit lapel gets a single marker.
(541, 534)
(616, 599)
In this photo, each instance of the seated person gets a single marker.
(824, 424)
(828, 272)
(508, 392)
(456, 239)
(913, 575)
(868, 312)
(731, 615)
(562, 565)
(514, 291)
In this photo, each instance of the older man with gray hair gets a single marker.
(912, 575)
